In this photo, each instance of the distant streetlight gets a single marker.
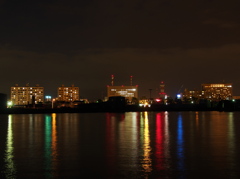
(179, 96)
(53, 100)
(48, 98)
(9, 104)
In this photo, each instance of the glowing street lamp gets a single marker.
(179, 96)
(48, 98)
(9, 104)
(53, 100)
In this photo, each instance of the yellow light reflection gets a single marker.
(231, 139)
(134, 136)
(10, 171)
(54, 136)
(147, 161)
(197, 119)
(54, 143)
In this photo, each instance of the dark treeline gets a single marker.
(113, 106)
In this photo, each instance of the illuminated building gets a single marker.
(68, 94)
(212, 92)
(188, 94)
(221, 91)
(129, 92)
(27, 95)
(144, 103)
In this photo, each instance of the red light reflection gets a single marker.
(159, 155)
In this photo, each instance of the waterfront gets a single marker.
(120, 145)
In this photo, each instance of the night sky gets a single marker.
(183, 43)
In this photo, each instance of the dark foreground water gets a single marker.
(121, 145)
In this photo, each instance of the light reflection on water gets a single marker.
(122, 145)
(54, 148)
(51, 150)
(160, 148)
(47, 143)
(231, 144)
(180, 146)
(10, 167)
(147, 161)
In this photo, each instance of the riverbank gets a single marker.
(102, 108)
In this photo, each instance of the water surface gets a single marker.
(120, 145)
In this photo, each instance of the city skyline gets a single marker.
(126, 91)
(184, 44)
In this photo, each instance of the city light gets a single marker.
(27, 96)
(178, 96)
(53, 100)
(9, 104)
(48, 97)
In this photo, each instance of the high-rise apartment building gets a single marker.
(27, 95)
(221, 91)
(68, 94)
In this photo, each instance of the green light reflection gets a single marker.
(48, 141)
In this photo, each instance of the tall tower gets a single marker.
(162, 93)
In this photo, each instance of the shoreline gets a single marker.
(110, 110)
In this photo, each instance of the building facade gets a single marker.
(129, 92)
(192, 94)
(212, 92)
(221, 91)
(68, 94)
(27, 95)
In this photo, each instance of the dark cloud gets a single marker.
(90, 69)
(83, 42)
(72, 25)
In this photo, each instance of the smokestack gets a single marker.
(112, 80)
(131, 78)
